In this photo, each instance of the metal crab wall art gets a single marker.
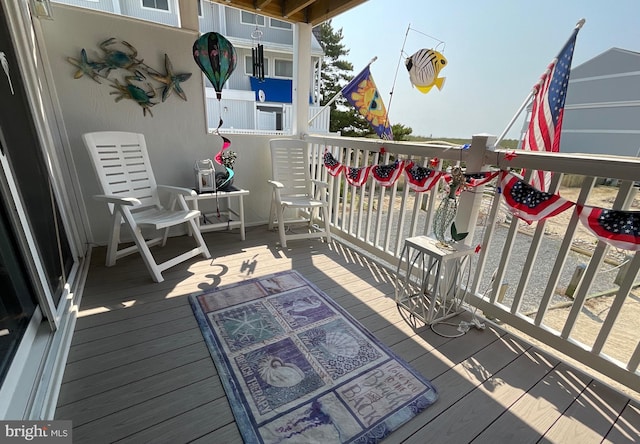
(135, 93)
(116, 59)
(118, 63)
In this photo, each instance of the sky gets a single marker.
(496, 51)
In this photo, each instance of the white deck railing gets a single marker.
(515, 276)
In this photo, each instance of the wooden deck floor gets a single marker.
(139, 370)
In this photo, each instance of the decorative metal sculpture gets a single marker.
(132, 92)
(116, 59)
(137, 74)
(170, 80)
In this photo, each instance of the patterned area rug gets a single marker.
(298, 369)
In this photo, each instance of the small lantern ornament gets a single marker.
(205, 176)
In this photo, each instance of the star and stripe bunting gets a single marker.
(420, 178)
(387, 175)
(528, 203)
(618, 228)
(357, 176)
(333, 166)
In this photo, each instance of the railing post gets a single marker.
(470, 202)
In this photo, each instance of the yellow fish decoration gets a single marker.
(424, 67)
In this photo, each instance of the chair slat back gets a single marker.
(121, 162)
(290, 164)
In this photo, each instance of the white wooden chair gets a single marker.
(293, 189)
(121, 162)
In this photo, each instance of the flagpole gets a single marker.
(393, 86)
(335, 97)
(531, 94)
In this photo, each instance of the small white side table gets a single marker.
(429, 285)
(226, 220)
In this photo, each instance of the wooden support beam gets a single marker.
(290, 8)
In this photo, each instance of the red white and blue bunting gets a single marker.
(620, 229)
(528, 203)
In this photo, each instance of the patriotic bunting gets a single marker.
(421, 178)
(387, 175)
(618, 228)
(528, 203)
(357, 176)
(333, 166)
(477, 179)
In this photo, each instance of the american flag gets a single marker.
(543, 133)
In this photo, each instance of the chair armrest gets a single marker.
(320, 183)
(128, 201)
(177, 190)
(276, 184)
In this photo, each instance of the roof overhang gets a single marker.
(313, 12)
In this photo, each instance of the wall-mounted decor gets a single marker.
(132, 79)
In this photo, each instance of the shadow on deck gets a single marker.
(139, 370)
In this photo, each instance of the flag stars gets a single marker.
(620, 222)
(420, 173)
(525, 194)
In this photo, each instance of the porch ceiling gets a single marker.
(313, 12)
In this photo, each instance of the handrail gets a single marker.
(378, 219)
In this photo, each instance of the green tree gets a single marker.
(335, 74)
(401, 132)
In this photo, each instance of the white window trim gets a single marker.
(165, 11)
(253, 23)
(271, 25)
(275, 75)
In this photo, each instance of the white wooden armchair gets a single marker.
(121, 162)
(293, 189)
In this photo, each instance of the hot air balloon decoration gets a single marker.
(216, 57)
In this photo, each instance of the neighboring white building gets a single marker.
(247, 104)
(602, 110)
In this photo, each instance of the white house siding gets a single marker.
(99, 5)
(211, 18)
(236, 28)
(236, 114)
(602, 111)
(133, 8)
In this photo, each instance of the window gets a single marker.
(275, 23)
(251, 19)
(163, 5)
(199, 8)
(248, 66)
(284, 68)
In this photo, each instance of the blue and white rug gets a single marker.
(297, 368)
